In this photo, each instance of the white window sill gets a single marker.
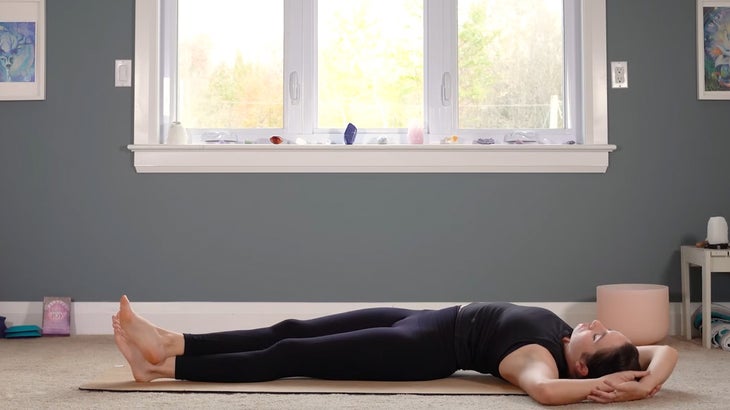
(156, 158)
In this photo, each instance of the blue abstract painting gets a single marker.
(17, 52)
(716, 29)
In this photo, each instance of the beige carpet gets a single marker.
(46, 373)
(119, 378)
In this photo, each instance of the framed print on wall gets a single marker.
(22, 49)
(713, 49)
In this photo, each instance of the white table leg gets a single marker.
(686, 319)
(706, 301)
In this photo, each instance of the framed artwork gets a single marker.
(22, 49)
(713, 49)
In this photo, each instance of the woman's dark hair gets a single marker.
(607, 361)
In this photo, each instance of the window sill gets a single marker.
(157, 158)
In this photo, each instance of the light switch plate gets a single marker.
(123, 73)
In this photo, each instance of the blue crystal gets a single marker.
(350, 134)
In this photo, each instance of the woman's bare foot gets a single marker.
(142, 370)
(153, 343)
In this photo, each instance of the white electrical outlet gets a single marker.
(619, 74)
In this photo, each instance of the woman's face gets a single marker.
(587, 339)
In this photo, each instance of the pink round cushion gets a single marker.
(639, 311)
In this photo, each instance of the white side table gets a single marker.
(710, 260)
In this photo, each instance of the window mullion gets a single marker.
(309, 64)
(441, 67)
(573, 51)
(170, 107)
(295, 103)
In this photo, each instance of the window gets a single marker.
(511, 64)
(497, 85)
(225, 66)
(369, 63)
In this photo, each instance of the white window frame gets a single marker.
(591, 156)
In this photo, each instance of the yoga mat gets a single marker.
(120, 379)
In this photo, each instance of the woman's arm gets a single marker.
(659, 361)
(533, 369)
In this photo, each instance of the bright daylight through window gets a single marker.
(370, 63)
(229, 66)
(511, 64)
(433, 77)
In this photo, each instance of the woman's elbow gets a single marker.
(669, 354)
(658, 355)
(544, 394)
(673, 354)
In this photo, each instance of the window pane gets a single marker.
(511, 60)
(370, 63)
(231, 63)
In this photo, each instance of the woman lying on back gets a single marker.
(529, 347)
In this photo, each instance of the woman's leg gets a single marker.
(262, 338)
(157, 343)
(144, 344)
(419, 347)
(352, 345)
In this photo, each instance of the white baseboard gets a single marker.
(94, 318)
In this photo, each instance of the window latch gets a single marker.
(446, 89)
(294, 88)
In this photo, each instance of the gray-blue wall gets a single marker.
(75, 218)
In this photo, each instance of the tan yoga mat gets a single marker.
(120, 379)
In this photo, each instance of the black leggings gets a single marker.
(368, 344)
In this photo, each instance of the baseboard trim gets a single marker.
(94, 318)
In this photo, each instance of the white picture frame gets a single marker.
(713, 49)
(22, 50)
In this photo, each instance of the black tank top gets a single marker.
(486, 333)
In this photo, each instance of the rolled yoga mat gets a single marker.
(719, 322)
(721, 334)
